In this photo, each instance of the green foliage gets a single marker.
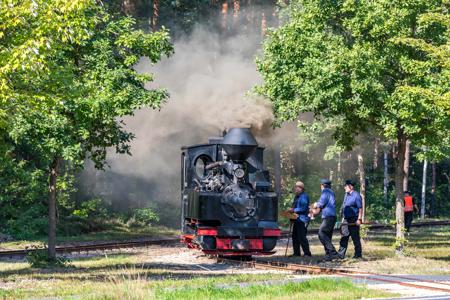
(66, 82)
(376, 209)
(401, 246)
(141, 216)
(363, 231)
(38, 258)
(362, 65)
(145, 215)
(86, 88)
(23, 187)
(90, 208)
(69, 90)
(29, 223)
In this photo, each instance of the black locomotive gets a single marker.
(228, 206)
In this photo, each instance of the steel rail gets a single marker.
(312, 269)
(93, 247)
(376, 226)
(135, 244)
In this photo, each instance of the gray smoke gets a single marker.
(208, 79)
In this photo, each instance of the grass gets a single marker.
(99, 276)
(427, 252)
(143, 286)
(117, 232)
(128, 276)
(132, 275)
(320, 288)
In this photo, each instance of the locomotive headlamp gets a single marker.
(239, 173)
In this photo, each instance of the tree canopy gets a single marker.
(67, 79)
(364, 65)
(67, 75)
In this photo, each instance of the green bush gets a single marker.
(91, 208)
(30, 223)
(143, 216)
(377, 209)
(38, 258)
(89, 216)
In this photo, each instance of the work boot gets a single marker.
(341, 252)
(330, 257)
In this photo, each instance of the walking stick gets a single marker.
(289, 237)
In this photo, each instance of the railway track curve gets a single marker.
(100, 246)
(403, 280)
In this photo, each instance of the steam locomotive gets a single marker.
(228, 206)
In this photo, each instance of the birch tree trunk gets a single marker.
(224, 12)
(424, 189)
(433, 190)
(399, 185)
(385, 180)
(155, 14)
(263, 24)
(54, 168)
(236, 8)
(406, 166)
(338, 175)
(362, 184)
(128, 7)
(375, 153)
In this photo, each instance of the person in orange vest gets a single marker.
(410, 207)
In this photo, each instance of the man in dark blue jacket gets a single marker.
(301, 208)
(327, 204)
(352, 213)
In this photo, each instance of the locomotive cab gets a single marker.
(228, 206)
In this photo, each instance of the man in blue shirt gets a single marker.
(301, 208)
(352, 213)
(327, 204)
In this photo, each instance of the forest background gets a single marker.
(93, 200)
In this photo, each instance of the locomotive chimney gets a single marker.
(239, 143)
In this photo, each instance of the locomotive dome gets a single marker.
(239, 143)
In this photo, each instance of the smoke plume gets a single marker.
(208, 79)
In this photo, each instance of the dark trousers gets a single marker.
(326, 234)
(408, 219)
(299, 238)
(354, 234)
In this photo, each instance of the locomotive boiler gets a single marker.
(228, 205)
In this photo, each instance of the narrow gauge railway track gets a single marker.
(94, 247)
(135, 244)
(433, 285)
(375, 226)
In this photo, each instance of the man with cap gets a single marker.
(301, 208)
(326, 204)
(352, 213)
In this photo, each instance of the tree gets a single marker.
(433, 190)
(379, 65)
(385, 176)
(424, 189)
(362, 183)
(406, 165)
(67, 79)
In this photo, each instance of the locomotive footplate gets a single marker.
(240, 244)
(239, 231)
